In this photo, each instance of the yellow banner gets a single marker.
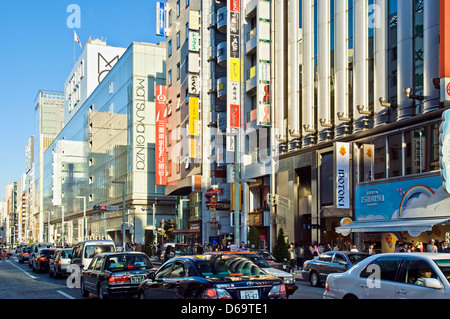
(193, 116)
(193, 146)
(234, 69)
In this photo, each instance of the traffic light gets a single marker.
(99, 207)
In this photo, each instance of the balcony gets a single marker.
(252, 40)
(222, 54)
(250, 84)
(250, 9)
(212, 53)
(212, 20)
(222, 88)
(212, 85)
(222, 19)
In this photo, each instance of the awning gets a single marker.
(413, 226)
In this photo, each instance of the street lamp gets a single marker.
(84, 215)
(123, 212)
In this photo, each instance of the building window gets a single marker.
(169, 18)
(170, 77)
(187, 31)
(395, 159)
(170, 47)
(178, 40)
(187, 3)
(178, 8)
(178, 71)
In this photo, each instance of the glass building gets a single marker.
(106, 154)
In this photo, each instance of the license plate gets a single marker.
(137, 279)
(249, 294)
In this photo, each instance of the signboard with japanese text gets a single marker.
(160, 147)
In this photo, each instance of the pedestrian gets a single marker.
(310, 253)
(292, 256)
(316, 250)
(431, 248)
(242, 245)
(354, 249)
(370, 250)
(446, 249)
(299, 252)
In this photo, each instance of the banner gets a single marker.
(342, 175)
(160, 141)
(160, 18)
(193, 116)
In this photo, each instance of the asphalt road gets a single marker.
(18, 281)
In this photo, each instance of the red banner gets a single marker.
(160, 142)
(234, 5)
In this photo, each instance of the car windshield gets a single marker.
(128, 262)
(356, 258)
(444, 265)
(226, 266)
(93, 250)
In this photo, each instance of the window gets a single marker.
(178, 71)
(178, 8)
(92, 250)
(187, 3)
(338, 258)
(395, 155)
(164, 271)
(187, 31)
(169, 18)
(325, 258)
(92, 264)
(178, 40)
(380, 158)
(170, 47)
(99, 263)
(170, 77)
(416, 270)
(178, 271)
(388, 267)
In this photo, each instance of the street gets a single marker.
(18, 281)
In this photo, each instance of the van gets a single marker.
(84, 251)
(170, 250)
(35, 249)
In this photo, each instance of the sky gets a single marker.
(37, 52)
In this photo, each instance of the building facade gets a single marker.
(105, 156)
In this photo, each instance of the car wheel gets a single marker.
(314, 279)
(84, 292)
(350, 297)
(101, 294)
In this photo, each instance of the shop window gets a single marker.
(395, 155)
(432, 148)
(415, 151)
(379, 158)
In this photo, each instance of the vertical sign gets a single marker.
(193, 116)
(160, 148)
(161, 18)
(342, 175)
(444, 12)
(264, 60)
(234, 72)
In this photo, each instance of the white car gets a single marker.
(393, 276)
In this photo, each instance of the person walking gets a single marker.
(299, 252)
(431, 248)
(292, 256)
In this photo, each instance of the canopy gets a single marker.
(413, 226)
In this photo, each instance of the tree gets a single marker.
(280, 251)
(253, 236)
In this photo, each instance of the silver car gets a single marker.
(59, 262)
(393, 276)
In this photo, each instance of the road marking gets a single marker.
(21, 269)
(64, 294)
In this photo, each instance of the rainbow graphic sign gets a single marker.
(418, 189)
(389, 200)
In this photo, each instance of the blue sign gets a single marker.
(160, 18)
(394, 200)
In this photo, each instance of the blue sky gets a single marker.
(36, 52)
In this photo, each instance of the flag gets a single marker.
(76, 38)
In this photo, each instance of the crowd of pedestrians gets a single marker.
(431, 247)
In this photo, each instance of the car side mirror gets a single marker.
(151, 276)
(432, 283)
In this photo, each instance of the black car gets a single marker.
(115, 274)
(41, 260)
(211, 277)
(270, 258)
(24, 254)
(316, 271)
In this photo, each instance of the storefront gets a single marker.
(412, 211)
